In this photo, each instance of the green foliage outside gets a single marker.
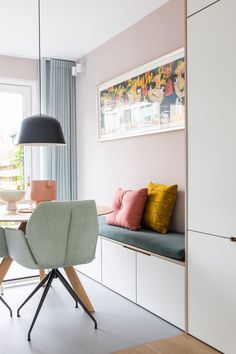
(17, 161)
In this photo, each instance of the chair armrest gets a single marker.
(18, 248)
(3, 244)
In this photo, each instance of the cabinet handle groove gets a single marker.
(132, 249)
(233, 239)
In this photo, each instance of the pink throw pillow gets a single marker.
(128, 208)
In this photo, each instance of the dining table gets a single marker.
(21, 217)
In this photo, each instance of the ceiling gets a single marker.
(70, 28)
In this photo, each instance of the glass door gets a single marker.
(16, 162)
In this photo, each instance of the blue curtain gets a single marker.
(59, 93)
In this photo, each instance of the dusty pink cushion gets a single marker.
(128, 208)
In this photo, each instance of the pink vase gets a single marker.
(42, 190)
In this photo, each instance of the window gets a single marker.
(13, 103)
(17, 164)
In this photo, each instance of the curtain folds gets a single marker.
(59, 101)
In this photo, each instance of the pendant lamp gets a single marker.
(40, 129)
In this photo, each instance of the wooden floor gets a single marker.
(182, 344)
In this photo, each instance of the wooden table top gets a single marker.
(17, 216)
(103, 210)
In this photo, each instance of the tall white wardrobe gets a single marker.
(211, 60)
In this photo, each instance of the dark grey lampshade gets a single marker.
(41, 130)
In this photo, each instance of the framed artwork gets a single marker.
(149, 99)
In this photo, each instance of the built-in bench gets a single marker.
(171, 245)
(144, 266)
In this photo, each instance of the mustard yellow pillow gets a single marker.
(159, 206)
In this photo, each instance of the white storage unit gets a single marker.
(211, 120)
(212, 291)
(211, 53)
(119, 269)
(94, 269)
(196, 5)
(151, 281)
(160, 288)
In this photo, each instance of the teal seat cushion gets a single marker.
(171, 245)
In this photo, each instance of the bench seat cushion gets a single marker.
(171, 245)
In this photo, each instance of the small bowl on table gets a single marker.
(11, 197)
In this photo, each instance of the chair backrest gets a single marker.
(62, 234)
(3, 244)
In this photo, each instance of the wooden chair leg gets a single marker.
(41, 274)
(78, 287)
(4, 267)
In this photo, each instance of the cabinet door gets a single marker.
(196, 5)
(212, 291)
(93, 269)
(160, 288)
(212, 120)
(119, 269)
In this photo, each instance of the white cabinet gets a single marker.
(211, 53)
(150, 281)
(160, 288)
(93, 269)
(212, 119)
(196, 5)
(119, 269)
(212, 291)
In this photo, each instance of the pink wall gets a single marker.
(18, 68)
(130, 162)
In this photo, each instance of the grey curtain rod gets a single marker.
(48, 59)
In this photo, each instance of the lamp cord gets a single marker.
(39, 33)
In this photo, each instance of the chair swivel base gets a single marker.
(54, 273)
(4, 302)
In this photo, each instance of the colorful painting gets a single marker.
(150, 99)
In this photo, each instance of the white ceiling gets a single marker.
(70, 28)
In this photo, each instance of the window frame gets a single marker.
(29, 89)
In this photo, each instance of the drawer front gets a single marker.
(94, 268)
(161, 288)
(212, 290)
(119, 269)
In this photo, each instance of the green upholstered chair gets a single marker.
(58, 234)
(4, 253)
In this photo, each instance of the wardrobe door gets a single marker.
(211, 53)
(196, 5)
(212, 291)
